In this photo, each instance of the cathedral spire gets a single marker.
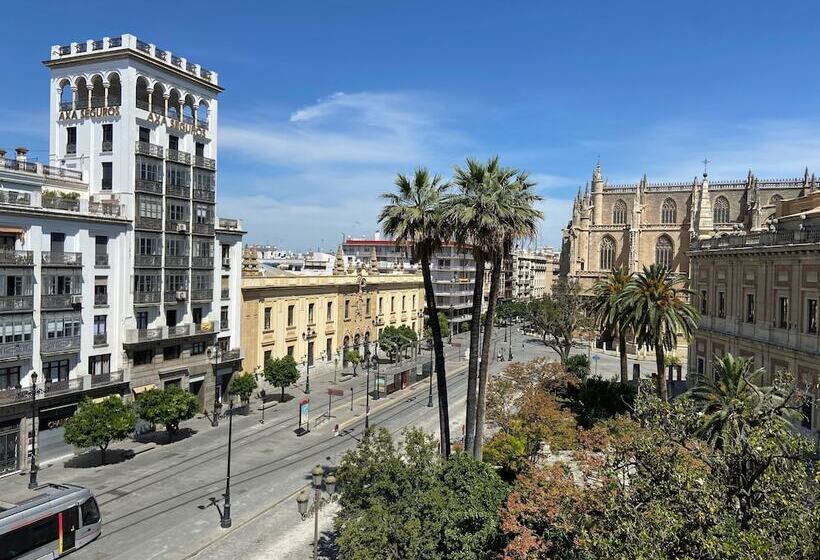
(339, 268)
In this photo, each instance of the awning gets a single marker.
(142, 388)
(12, 230)
(101, 399)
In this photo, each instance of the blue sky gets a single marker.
(326, 101)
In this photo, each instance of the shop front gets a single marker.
(51, 429)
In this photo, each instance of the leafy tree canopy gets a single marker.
(243, 386)
(168, 407)
(97, 424)
(282, 372)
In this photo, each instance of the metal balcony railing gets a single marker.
(58, 345)
(228, 223)
(179, 157)
(22, 349)
(56, 258)
(148, 186)
(204, 229)
(147, 149)
(101, 299)
(205, 163)
(15, 198)
(16, 303)
(100, 339)
(146, 297)
(229, 355)
(178, 191)
(114, 209)
(202, 295)
(11, 257)
(145, 222)
(181, 226)
(148, 260)
(57, 203)
(101, 260)
(225, 293)
(204, 195)
(109, 378)
(176, 261)
(202, 262)
(61, 301)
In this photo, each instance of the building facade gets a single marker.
(759, 295)
(639, 224)
(452, 270)
(315, 317)
(528, 274)
(126, 277)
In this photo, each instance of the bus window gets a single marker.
(90, 511)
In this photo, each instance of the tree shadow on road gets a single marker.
(160, 437)
(91, 458)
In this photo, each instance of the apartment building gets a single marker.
(109, 249)
(528, 274)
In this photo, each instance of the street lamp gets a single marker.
(32, 480)
(367, 395)
(452, 325)
(216, 354)
(225, 518)
(309, 335)
(319, 501)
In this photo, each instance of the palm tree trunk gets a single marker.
(622, 353)
(438, 349)
(481, 405)
(472, 368)
(661, 380)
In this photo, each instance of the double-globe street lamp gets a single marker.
(225, 515)
(308, 336)
(33, 392)
(319, 501)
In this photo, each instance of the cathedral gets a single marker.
(639, 224)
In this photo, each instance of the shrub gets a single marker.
(596, 399)
(578, 365)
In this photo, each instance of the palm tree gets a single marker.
(470, 215)
(607, 309)
(732, 402)
(412, 216)
(517, 219)
(655, 305)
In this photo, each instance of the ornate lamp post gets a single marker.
(33, 392)
(319, 501)
(216, 354)
(309, 335)
(225, 518)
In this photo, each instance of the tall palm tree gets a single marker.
(471, 216)
(607, 309)
(517, 219)
(732, 402)
(412, 216)
(656, 307)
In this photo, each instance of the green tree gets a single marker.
(97, 424)
(355, 358)
(243, 386)
(407, 501)
(168, 407)
(412, 217)
(578, 365)
(559, 317)
(655, 305)
(443, 325)
(609, 315)
(282, 372)
(390, 340)
(508, 453)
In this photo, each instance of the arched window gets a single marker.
(607, 253)
(158, 100)
(82, 93)
(664, 251)
(669, 211)
(142, 93)
(721, 210)
(114, 90)
(188, 110)
(173, 104)
(202, 114)
(97, 91)
(66, 97)
(619, 212)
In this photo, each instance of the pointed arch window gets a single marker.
(664, 252)
(619, 213)
(669, 211)
(721, 210)
(607, 253)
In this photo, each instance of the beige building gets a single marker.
(528, 274)
(314, 317)
(759, 294)
(639, 224)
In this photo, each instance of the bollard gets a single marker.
(351, 399)
(636, 372)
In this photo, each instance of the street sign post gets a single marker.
(330, 394)
(304, 416)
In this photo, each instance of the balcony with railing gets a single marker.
(60, 345)
(148, 186)
(147, 298)
(58, 203)
(176, 296)
(16, 350)
(78, 384)
(178, 191)
(101, 299)
(145, 222)
(141, 336)
(47, 201)
(752, 240)
(179, 157)
(175, 225)
(16, 304)
(176, 261)
(148, 149)
(231, 355)
(225, 293)
(152, 261)
(202, 294)
(101, 260)
(203, 229)
(202, 262)
(229, 224)
(57, 258)
(204, 163)
(204, 195)
(37, 168)
(100, 339)
(61, 301)
(11, 257)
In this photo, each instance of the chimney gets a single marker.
(21, 153)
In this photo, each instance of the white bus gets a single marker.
(54, 520)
